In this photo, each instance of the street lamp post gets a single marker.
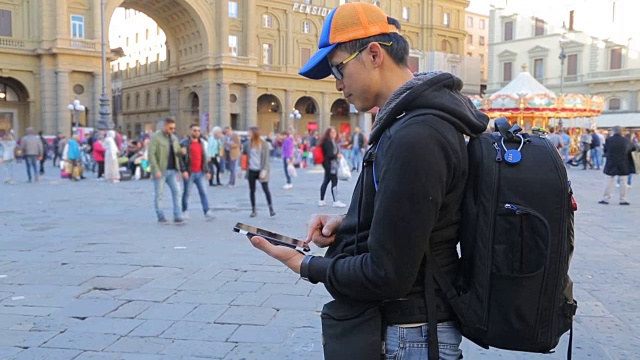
(77, 107)
(296, 116)
(105, 111)
(562, 57)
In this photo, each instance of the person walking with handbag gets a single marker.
(7, 158)
(386, 303)
(258, 168)
(164, 159)
(214, 148)
(330, 165)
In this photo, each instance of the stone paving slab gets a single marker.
(200, 291)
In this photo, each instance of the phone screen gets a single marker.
(278, 239)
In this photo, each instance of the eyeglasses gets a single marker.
(336, 69)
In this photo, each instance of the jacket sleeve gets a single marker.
(413, 183)
(153, 155)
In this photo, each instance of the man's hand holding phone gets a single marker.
(322, 229)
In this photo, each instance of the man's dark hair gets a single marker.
(40, 132)
(398, 51)
(194, 125)
(169, 120)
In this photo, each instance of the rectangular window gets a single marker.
(615, 59)
(446, 20)
(538, 69)
(233, 45)
(481, 24)
(267, 54)
(77, 26)
(5, 23)
(469, 39)
(506, 71)
(306, 27)
(233, 9)
(572, 65)
(308, 2)
(539, 27)
(405, 13)
(305, 55)
(508, 31)
(481, 40)
(469, 21)
(158, 98)
(267, 21)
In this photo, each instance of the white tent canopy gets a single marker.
(523, 85)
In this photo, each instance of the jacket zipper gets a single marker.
(492, 212)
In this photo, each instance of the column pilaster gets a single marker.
(63, 90)
(251, 112)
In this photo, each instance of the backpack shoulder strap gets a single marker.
(379, 150)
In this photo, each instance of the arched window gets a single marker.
(614, 104)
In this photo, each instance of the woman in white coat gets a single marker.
(111, 166)
(7, 147)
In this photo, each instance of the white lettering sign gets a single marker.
(312, 10)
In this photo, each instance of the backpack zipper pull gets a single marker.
(510, 207)
(498, 152)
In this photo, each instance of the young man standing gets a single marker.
(410, 211)
(164, 151)
(194, 151)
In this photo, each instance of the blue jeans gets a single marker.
(286, 171)
(199, 179)
(32, 162)
(413, 343)
(168, 177)
(595, 157)
(356, 159)
(233, 168)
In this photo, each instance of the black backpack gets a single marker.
(513, 291)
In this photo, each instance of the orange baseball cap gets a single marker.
(351, 21)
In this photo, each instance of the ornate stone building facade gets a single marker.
(223, 61)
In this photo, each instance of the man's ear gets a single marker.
(376, 54)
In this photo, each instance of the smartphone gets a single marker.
(272, 237)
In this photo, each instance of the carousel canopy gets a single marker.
(522, 86)
(525, 96)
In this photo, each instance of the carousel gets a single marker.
(531, 105)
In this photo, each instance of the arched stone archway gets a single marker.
(189, 40)
(269, 112)
(189, 34)
(340, 116)
(309, 111)
(14, 106)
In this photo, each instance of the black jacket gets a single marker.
(330, 150)
(185, 160)
(617, 149)
(422, 179)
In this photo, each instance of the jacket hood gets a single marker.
(438, 91)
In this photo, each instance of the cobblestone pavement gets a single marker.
(87, 273)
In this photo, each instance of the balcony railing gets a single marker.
(277, 68)
(614, 74)
(14, 43)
